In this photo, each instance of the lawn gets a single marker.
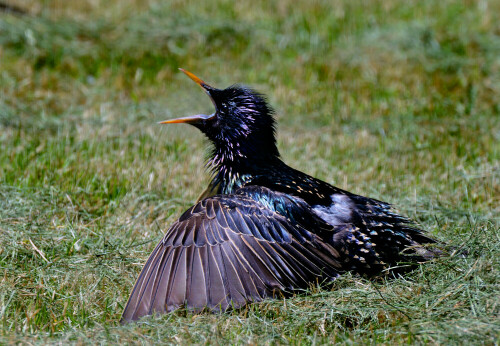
(397, 100)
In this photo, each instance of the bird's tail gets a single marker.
(380, 249)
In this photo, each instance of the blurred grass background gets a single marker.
(392, 99)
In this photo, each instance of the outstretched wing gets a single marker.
(226, 251)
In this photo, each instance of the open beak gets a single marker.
(188, 120)
(193, 119)
(196, 79)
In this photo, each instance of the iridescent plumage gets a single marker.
(263, 228)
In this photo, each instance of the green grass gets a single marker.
(391, 99)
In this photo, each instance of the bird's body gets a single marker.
(264, 228)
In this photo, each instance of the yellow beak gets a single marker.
(193, 118)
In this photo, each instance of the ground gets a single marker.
(395, 100)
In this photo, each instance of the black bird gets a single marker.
(262, 228)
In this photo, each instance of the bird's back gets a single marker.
(369, 234)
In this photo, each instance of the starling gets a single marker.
(263, 229)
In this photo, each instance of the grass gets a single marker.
(395, 100)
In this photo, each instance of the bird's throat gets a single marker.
(233, 168)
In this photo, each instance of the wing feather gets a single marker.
(197, 298)
(176, 295)
(217, 289)
(227, 251)
(236, 277)
(164, 275)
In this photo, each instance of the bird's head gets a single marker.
(242, 126)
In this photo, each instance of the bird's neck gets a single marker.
(234, 166)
